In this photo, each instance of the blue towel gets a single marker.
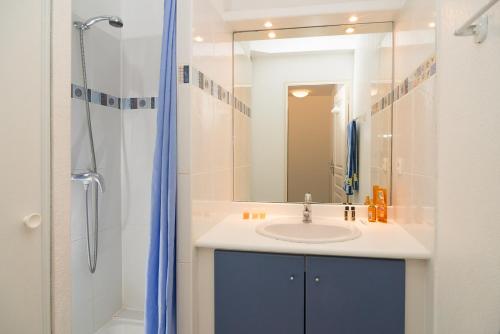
(351, 181)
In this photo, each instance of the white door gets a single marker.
(24, 166)
(309, 156)
(340, 143)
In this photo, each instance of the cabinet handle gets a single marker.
(316, 279)
(292, 277)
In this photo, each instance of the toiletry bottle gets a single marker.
(375, 194)
(367, 200)
(353, 213)
(381, 206)
(346, 213)
(372, 212)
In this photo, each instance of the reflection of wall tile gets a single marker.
(381, 148)
(189, 74)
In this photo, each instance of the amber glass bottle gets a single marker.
(372, 212)
(381, 206)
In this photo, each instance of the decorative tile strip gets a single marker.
(190, 75)
(115, 102)
(421, 74)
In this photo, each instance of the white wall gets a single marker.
(204, 143)
(467, 279)
(269, 114)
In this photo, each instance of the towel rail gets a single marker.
(477, 25)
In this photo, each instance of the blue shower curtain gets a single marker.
(160, 315)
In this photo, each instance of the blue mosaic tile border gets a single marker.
(107, 100)
(191, 75)
(421, 74)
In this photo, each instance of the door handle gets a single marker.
(32, 221)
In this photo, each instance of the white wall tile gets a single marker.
(403, 134)
(185, 318)
(184, 239)
(134, 262)
(82, 316)
(138, 145)
(184, 129)
(414, 131)
(97, 296)
(102, 57)
(141, 65)
(142, 18)
(414, 147)
(424, 126)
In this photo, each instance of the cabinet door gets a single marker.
(354, 296)
(258, 293)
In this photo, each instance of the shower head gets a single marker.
(113, 21)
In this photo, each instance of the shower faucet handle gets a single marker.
(89, 177)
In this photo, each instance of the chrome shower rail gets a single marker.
(477, 25)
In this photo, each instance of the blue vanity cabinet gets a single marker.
(346, 295)
(258, 293)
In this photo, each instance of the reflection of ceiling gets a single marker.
(335, 43)
(314, 90)
(308, 44)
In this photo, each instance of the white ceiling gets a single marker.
(241, 5)
(244, 15)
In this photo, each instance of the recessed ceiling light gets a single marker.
(353, 19)
(349, 30)
(271, 34)
(374, 92)
(268, 24)
(432, 24)
(300, 93)
(198, 39)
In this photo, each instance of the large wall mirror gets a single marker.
(312, 113)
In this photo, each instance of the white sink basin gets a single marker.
(321, 230)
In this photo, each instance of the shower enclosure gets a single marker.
(116, 48)
(91, 178)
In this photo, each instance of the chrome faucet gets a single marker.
(88, 178)
(307, 213)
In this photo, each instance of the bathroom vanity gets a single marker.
(276, 293)
(256, 284)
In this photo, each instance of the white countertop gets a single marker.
(377, 240)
